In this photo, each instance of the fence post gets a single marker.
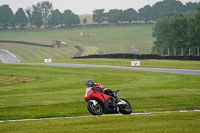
(198, 51)
(168, 51)
(189, 52)
(174, 51)
(181, 51)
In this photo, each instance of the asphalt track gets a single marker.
(9, 58)
(90, 116)
(166, 70)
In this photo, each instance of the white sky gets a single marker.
(85, 6)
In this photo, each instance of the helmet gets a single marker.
(89, 83)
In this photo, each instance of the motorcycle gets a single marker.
(99, 103)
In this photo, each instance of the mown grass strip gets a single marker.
(59, 91)
(178, 64)
(155, 123)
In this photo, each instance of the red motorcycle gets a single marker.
(99, 103)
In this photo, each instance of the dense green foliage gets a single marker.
(129, 15)
(6, 16)
(114, 16)
(70, 19)
(99, 16)
(161, 9)
(55, 18)
(178, 32)
(21, 18)
(37, 18)
(45, 7)
(44, 14)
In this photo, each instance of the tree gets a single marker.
(165, 7)
(6, 16)
(129, 15)
(180, 31)
(70, 19)
(21, 18)
(99, 16)
(191, 7)
(161, 9)
(114, 16)
(45, 7)
(37, 18)
(56, 18)
(145, 13)
(194, 30)
(171, 33)
(29, 14)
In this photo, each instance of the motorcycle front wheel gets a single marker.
(95, 109)
(126, 107)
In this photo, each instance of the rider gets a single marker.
(91, 85)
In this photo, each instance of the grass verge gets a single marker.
(144, 63)
(155, 123)
(59, 91)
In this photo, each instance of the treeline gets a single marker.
(42, 14)
(147, 13)
(38, 15)
(178, 35)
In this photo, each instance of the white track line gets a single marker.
(146, 113)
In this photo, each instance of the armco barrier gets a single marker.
(142, 56)
(22, 42)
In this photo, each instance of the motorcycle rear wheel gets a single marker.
(95, 109)
(125, 108)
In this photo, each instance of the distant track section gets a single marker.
(23, 42)
(80, 51)
(8, 57)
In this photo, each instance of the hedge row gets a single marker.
(142, 56)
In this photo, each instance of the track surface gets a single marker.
(89, 116)
(7, 57)
(166, 70)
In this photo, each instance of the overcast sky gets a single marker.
(85, 6)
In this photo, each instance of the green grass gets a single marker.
(155, 123)
(28, 53)
(144, 63)
(59, 91)
(106, 39)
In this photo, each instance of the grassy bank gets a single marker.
(28, 53)
(106, 39)
(144, 63)
(59, 91)
(156, 123)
